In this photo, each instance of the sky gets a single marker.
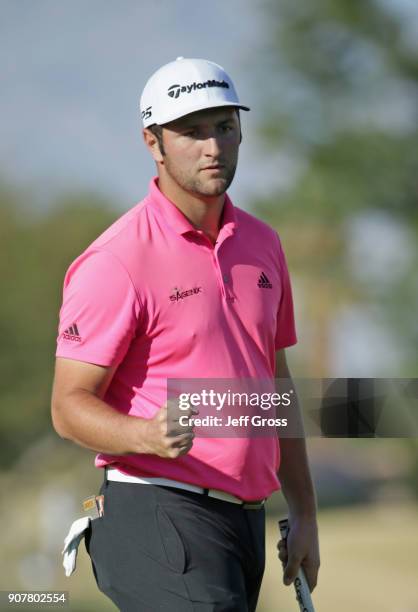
(71, 77)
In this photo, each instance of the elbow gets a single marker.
(57, 420)
(56, 423)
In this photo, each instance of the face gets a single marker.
(201, 151)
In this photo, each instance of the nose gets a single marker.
(212, 147)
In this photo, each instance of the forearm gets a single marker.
(294, 472)
(90, 422)
(301, 547)
(295, 477)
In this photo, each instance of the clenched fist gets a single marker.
(165, 437)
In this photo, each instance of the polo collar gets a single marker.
(175, 218)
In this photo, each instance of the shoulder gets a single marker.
(119, 235)
(112, 257)
(117, 245)
(250, 226)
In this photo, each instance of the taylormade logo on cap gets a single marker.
(186, 86)
(175, 90)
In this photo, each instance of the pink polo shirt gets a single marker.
(155, 298)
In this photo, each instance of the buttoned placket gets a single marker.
(222, 275)
(170, 214)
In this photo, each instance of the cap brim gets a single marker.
(179, 115)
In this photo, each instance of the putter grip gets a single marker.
(303, 594)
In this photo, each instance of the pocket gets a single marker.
(171, 540)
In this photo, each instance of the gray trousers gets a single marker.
(166, 549)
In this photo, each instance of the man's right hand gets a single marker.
(164, 434)
(80, 414)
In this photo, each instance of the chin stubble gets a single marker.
(196, 185)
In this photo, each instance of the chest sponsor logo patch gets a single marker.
(181, 295)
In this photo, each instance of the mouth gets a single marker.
(214, 167)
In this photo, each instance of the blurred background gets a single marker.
(329, 158)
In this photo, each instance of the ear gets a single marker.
(152, 145)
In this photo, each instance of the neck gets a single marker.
(203, 212)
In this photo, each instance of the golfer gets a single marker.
(184, 285)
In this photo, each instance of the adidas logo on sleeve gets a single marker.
(72, 333)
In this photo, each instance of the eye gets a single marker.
(225, 129)
(192, 133)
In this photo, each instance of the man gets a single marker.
(184, 285)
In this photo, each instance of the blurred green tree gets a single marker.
(36, 253)
(341, 107)
(341, 117)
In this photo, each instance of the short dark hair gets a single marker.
(157, 131)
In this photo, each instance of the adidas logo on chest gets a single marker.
(263, 282)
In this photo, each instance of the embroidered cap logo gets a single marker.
(175, 90)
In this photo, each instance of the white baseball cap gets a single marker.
(185, 86)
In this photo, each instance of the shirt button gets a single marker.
(225, 277)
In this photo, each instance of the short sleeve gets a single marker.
(285, 329)
(100, 310)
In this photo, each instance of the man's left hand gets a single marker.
(301, 548)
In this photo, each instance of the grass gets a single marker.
(369, 562)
